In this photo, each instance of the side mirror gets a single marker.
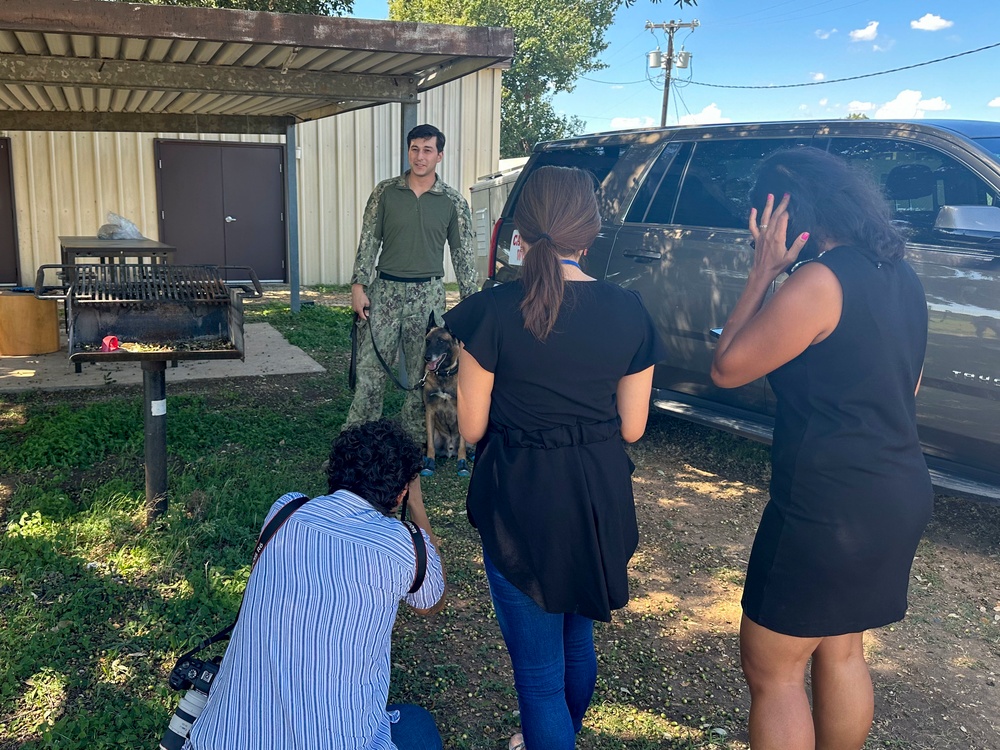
(980, 221)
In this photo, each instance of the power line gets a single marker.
(851, 78)
(611, 83)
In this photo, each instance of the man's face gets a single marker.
(424, 156)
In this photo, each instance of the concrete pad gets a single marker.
(267, 353)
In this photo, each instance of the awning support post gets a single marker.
(292, 215)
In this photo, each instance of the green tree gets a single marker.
(313, 7)
(857, 116)
(555, 42)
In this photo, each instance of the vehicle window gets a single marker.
(616, 169)
(916, 179)
(990, 144)
(654, 202)
(717, 182)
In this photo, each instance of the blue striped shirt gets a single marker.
(308, 663)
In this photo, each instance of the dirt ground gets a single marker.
(699, 495)
(935, 673)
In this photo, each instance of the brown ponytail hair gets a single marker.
(557, 217)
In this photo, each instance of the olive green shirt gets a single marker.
(411, 233)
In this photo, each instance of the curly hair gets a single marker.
(829, 199)
(374, 460)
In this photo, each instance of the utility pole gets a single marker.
(655, 61)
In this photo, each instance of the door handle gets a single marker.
(642, 254)
(230, 219)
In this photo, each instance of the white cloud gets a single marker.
(857, 106)
(803, 108)
(867, 34)
(994, 102)
(616, 87)
(937, 104)
(818, 76)
(625, 123)
(823, 102)
(908, 104)
(930, 22)
(710, 114)
(825, 34)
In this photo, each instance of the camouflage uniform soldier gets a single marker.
(409, 218)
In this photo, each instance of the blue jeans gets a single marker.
(415, 729)
(555, 667)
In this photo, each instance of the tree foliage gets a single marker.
(555, 42)
(313, 7)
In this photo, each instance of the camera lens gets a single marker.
(190, 708)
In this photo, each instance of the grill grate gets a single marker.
(118, 282)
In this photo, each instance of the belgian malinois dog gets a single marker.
(440, 399)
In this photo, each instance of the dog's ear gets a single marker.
(430, 322)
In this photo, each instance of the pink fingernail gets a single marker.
(786, 195)
(805, 235)
(770, 197)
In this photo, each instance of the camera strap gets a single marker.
(271, 528)
(420, 548)
(265, 536)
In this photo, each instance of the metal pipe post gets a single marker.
(292, 214)
(408, 121)
(154, 403)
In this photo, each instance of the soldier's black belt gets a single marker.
(418, 280)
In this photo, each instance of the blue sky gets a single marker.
(777, 42)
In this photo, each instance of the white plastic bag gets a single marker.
(119, 228)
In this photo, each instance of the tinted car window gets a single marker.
(990, 144)
(916, 179)
(616, 169)
(718, 179)
(654, 203)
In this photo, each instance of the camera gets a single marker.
(195, 676)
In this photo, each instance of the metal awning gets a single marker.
(94, 65)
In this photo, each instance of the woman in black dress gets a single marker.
(554, 378)
(842, 341)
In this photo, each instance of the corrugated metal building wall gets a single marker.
(65, 183)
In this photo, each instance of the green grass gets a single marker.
(95, 605)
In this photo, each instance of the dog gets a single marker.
(440, 393)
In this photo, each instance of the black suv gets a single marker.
(675, 210)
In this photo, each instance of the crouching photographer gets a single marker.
(308, 662)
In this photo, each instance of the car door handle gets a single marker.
(642, 253)
(230, 219)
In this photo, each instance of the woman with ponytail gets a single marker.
(554, 378)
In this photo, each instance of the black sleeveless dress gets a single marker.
(551, 489)
(850, 492)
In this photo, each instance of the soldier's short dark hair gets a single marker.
(426, 131)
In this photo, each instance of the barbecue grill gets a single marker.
(150, 314)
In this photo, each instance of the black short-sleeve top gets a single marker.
(551, 490)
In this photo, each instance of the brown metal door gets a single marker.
(189, 178)
(223, 204)
(8, 229)
(254, 201)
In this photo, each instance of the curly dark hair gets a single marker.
(829, 199)
(374, 460)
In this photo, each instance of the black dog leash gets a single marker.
(352, 375)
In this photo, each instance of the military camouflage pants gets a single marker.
(398, 318)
